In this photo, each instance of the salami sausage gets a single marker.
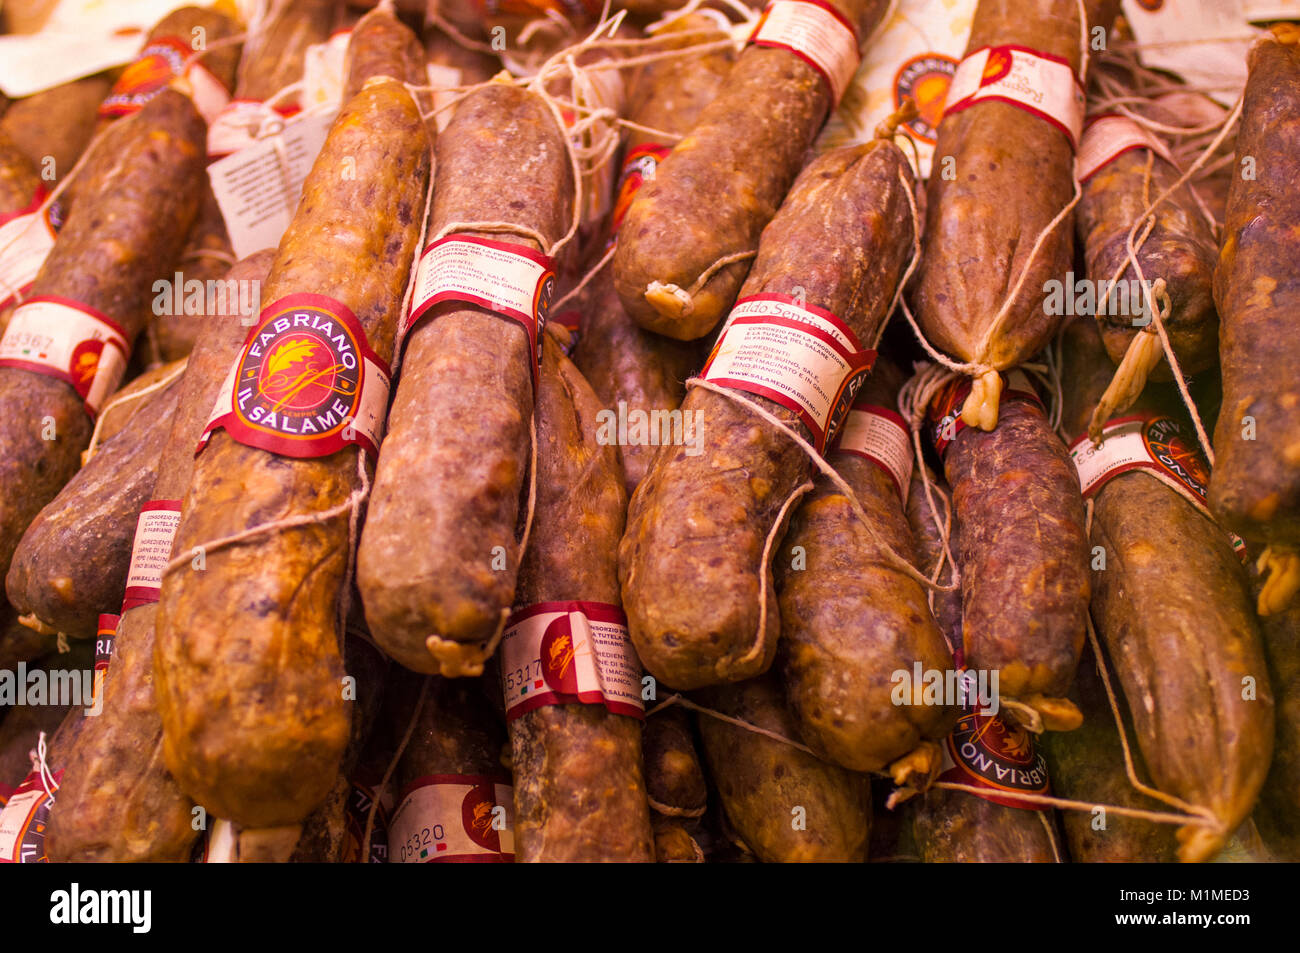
(714, 194)
(56, 124)
(675, 786)
(1180, 248)
(580, 792)
(438, 555)
(261, 745)
(979, 209)
(451, 775)
(72, 561)
(1023, 554)
(848, 617)
(706, 509)
(120, 803)
(206, 259)
(786, 805)
(125, 402)
(641, 371)
(122, 233)
(325, 833)
(1175, 618)
(382, 45)
(1278, 813)
(19, 181)
(1255, 487)
(273, 56)
(1088, 765)
(954, 827)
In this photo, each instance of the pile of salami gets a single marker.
(550, 430)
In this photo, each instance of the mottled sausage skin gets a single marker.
(1022, 553)
(704, 512)
(722, 184)
(123, 233)
(19, 181)
(1173, 609)
(71, 563)
(273, 57)
(446, 506)
(53, 127)
(786, 805)
(1278, 813)
(675, 786)
(982, 219)
(850, 618)
(247, 658)
(457, 731)
(119, 802)
(1255, 487)
(624, 362)
(206, 258)
(1181, 249)
(382, 45)
(955, 827)
(580, 790)
(1087, 764)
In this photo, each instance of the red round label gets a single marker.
(925, 80)
(300, 376)
(476, 814)
(558, 666)
(1180, 458)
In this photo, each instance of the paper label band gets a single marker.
(157, 65)
(815, 32)
(1039, 83)
(798, 355)
(639, 167)
(306, 384)
(510, 279)
(60, 338)
(945, 408)
(453, 818)
(1143, 442)
(996, 755)
(567, 653)
(105, 636)
(26, 237)
(880, 435)
(155, 531)
(1106, 138)
(23, 821)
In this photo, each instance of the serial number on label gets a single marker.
(424, 837)
(523, 675)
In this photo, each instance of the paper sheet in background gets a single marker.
(1203, 41)
(81, 37)
(259, 187)
(914, 53)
